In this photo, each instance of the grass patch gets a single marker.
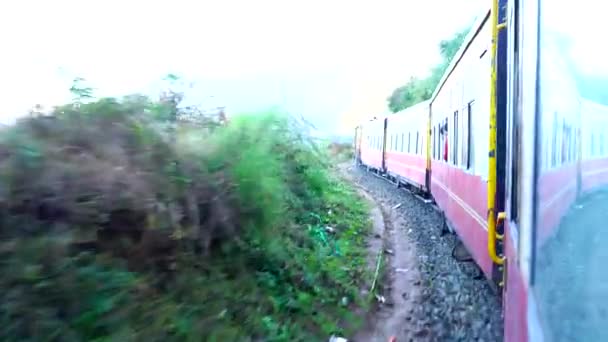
(115, 225)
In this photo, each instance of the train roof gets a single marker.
(477, 26)
(413, 108)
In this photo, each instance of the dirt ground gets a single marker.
(428, 294)
(398, 288)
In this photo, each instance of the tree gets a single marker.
(417, 90)
(80, 91)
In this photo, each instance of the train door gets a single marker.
(521, 125)
(357, 144)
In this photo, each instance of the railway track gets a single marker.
(447, 300)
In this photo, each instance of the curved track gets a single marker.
(450, 303)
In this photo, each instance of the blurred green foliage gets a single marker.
(287, 236)
(416, 89)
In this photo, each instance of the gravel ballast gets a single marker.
(455, 304)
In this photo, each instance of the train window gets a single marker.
(438, 148)
(402, 140)
(455, 140)
(554, 143)
(416, 143)
(437, 134)
(566, 145)
(467, 142)
(441, 142)
(466, 156)
(409, 142)
(433, 143)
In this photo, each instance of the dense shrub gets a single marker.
(117, 223)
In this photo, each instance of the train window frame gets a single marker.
(433, 142)
(396, 142)
(402, 140)
(514, 132)
(455, 137)
(466, 154)
(437, 142)
(409, 142)
(417, 135)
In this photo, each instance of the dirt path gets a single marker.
(398, 287)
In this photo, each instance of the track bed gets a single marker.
(449, 303)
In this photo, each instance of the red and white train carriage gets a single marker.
(407, 145)
(459, 149)
(372, 143)
(518, 163)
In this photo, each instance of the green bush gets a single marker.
(117, 225)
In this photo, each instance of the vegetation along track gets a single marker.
(451, 303)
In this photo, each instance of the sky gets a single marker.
(334, 62)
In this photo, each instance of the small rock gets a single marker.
(398, 206)
(389, 251)
(337, 339)
(380, 299)
(422, 333)
(377, 236)
(344, 301)
(330, 230)
(401, 270)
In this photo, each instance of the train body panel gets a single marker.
(372, 145)
(546, 163)
(459, 149)
(594, 164)
(406, 145)
(515, 295)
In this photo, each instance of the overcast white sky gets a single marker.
(332, 61)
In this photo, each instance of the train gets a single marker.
(512, 148)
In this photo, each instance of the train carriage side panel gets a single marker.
(372, 133)
(460, 121)
(594, 163)
(406, 145)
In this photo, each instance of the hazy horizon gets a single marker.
(334, 63)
